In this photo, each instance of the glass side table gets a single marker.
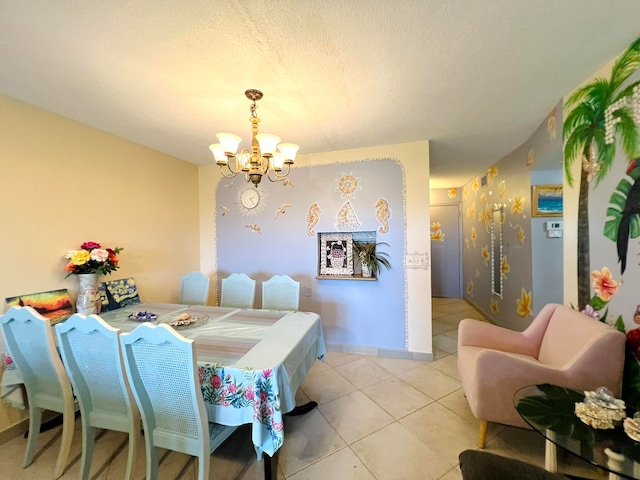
(549, 410)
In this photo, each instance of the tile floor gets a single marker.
(378, 418)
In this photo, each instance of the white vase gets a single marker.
(366, 271)
(89, 301)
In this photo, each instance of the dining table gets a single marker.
(250, 362)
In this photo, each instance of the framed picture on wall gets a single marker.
(546, 200)
(335, 252)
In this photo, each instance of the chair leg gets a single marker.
(35, 419)
(152, 459)
(68, 420)
(482, 437)
(135, 443)
(88, 445)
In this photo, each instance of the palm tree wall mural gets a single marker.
(597, 116)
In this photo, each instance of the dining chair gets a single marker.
(90, 351)
(29, 340)
(280, 292)
(161, 368)
(194, 289)
(238, 291)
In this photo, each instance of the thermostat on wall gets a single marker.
(554, 225)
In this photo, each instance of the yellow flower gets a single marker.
(481, 217)
(435, 226)
(551, 125)
(504, 267)
(483, 197)
(470, 286)
(438, 236)
(518, 205)
(530, 157)
(474, 236)
(524, 304)
(473, 209)
(80, 257)
(494, 306)
(492, 172)
(453, 193)
(475, 185)
(503, 188)
(466, 243)
(603, 283)
(521, 236)
(465, 193)
(485, 255)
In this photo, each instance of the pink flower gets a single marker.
(232, 388)
(263, 396)
(216, 381)
(90, 245)
(267, 373)
(99, 255)
(249, 395)
(277, 426)
(603, 283)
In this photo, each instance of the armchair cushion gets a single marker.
(561, 347)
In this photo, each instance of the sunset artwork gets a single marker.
(55, 305)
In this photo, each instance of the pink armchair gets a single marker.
(561, 346)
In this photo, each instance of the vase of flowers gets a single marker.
(87, 263)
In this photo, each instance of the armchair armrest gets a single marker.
(498, 375)
(475, 333)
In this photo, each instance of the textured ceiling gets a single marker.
(476, 78)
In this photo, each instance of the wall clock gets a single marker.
(251, 200)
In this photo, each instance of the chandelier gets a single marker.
(261, 159)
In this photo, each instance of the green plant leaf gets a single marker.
(597, 303)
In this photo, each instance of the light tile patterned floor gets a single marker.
(378, 418)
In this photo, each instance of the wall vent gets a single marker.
(483, 181)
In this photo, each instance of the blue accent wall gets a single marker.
(354, 313)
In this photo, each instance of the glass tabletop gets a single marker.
(549, 410)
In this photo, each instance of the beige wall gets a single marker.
(414, 158)
(65, 183)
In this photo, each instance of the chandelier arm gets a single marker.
(225, 175)
(277, 177)
(232, 172)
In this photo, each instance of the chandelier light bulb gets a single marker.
(229, 143)
(277, 161)
(268, 143)
(288, 151)
(218, 154)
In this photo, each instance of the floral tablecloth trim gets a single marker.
(255, 389)
(7, 362)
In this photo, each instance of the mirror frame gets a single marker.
(496, 249)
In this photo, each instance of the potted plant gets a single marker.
(372, 259)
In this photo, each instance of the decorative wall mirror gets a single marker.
(496, 249)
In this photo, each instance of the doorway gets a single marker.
(446, 251)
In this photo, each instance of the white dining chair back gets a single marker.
(90, 350)
(238, 291)
(194, 289)
(29, 340)
(280, 292)
(162, 371)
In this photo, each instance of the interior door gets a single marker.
(445, 251)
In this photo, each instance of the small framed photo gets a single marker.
(335, 251)
(546, 200)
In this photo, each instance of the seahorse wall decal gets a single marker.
(313, 217)
(383, 213)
